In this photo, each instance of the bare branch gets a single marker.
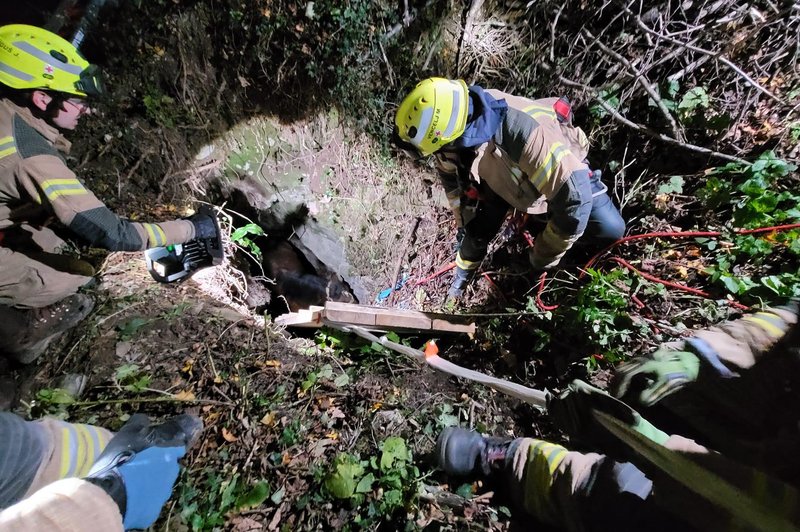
(646, 130)
(716, 55)
(644, 82)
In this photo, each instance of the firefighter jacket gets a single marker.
(36, 184)
(526, 162)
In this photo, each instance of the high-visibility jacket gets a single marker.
(36, 184)
(526, 162)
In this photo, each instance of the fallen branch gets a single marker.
(646, 130)
(715, 55)
(171, 399)
(399, 264)
(643, 82)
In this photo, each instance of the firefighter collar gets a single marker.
(485, 115)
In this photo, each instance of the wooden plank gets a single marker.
(402, 320)
(348, 313)
(389, 318)
(310, 317)
(439, 324)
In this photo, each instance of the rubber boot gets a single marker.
(465, 453)
(25, 334)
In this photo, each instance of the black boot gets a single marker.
(463, 453)
(25, 334)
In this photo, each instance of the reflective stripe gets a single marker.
(764, 320)
(424, 123)
(162, 235)
(8, 69)
(7, 146)
(555, 461)
(47, 58)
(55, 188)
(537, 111)
(156, 234)
(82, 445)
(68, 450)
(466, 264)
(545, 171)
(451, 124)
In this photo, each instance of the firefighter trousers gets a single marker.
(33, 273)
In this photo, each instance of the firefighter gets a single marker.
(45, 86)
(730, 397)
(59, 476)
(494, 152)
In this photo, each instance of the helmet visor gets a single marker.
(90, 81)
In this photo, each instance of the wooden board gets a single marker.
(378, 318)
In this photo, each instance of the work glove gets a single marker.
(572, 412)
(661, 373)
(460, 234)
(139, 466)
(205, 225)
(460, 281)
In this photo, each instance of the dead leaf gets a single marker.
(228, 435)
(317, 449)
(268, 419)
(185, 395)
(123, 348)
(245, 524)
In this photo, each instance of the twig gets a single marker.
(466, 34)
(716, 55)
(389, 70)
(646, 130)
(395, 278)
(645, 84)
(553, 33)
(150, 400)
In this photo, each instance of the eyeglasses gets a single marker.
(80, 105)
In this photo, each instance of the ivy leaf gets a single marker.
(394, 450)
(694, 98)
(342, 481)
(253, 497)
(342, 380)
(365, 484)
(675, 186)
(249, 229)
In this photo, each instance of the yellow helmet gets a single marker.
(433, 114)
(34, 58)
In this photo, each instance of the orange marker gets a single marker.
(431, 349)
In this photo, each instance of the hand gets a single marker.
(664, 372)
(460, 233)
(573, 411)
(139, 466)
(205, 223)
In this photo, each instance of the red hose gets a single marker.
(434, 275)
(678, 286)
(686, 234)
(539, 302)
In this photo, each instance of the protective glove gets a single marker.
(460, 281)
(460, 234)
(664, 372)
(572, 412)
(205, 225)
(139, 466)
